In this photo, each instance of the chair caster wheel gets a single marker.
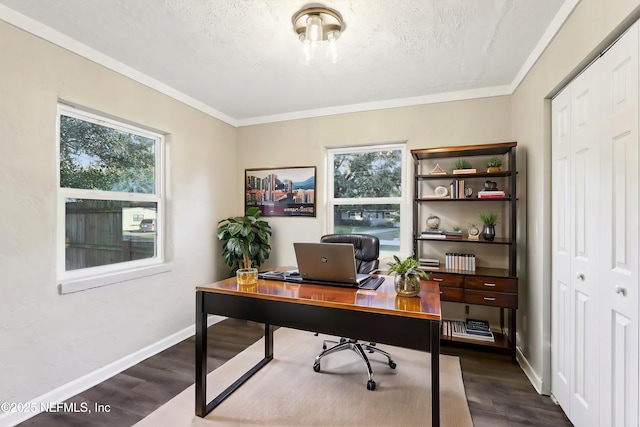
(392, 364)
(371, 385)
(316, 367)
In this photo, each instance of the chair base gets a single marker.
(359, 349)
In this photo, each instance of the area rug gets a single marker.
(287, 391)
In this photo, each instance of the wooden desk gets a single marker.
(377, 316)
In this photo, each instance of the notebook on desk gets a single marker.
(330, 263)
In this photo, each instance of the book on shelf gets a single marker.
(435, 196)
(433, 231)
(452, 235)
(484, 194)
(433, 236)
(458, 329)
(478, 325)
(429, 262)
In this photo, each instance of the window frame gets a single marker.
(92, 277)
(404, 200)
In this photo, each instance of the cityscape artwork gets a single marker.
(281, 192)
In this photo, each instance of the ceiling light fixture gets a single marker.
(315, 25)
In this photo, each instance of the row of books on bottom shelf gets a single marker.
(472, 329)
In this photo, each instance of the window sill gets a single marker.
(77, 285)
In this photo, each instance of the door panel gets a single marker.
(585, 158)
(619, 233)
(561, 250)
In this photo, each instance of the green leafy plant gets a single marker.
(462, 164)
(494, 162)
(456, 228)
(489, 218)
(409, 266)
(246, 240)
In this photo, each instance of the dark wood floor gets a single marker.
(498, 392)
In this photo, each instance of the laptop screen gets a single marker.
(330, 262)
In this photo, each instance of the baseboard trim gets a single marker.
(70, 389)
(535, 381)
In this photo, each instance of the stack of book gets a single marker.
(429, 262)
(472, 329)
(491, 194)
(453, 234)
(434, 234)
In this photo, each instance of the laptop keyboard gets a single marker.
(372, 283)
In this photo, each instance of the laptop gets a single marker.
(333, 263)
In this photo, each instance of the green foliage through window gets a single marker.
(96, 157)
(367, 174)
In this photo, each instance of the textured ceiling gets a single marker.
(241, 60)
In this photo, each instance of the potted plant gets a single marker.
(463, 166)
(246, 244)
(489, 220)
(407, 276)
(493, 165)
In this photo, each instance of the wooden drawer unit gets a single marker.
(452, 294)
(447, 280)
(496, 299)
(493, 284)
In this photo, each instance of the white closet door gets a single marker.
(585, 188)
(561, 250)
(575, 248)
(619, 233)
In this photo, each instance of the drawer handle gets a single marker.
(436, 279)
(491, 285)
(489, 299)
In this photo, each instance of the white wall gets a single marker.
(47, 340)
(593, 25)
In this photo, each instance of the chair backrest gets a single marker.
(365, 247)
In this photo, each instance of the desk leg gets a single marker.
(202, 407)
(435, 373)
(268, 341)
(201, 356)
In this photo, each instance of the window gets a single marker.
(109, 198)
(368, 194)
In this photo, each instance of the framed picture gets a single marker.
(281, 191)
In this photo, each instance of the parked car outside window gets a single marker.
(148, 225)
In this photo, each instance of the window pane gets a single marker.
(382, 221)
(103, 232)
(97, 157)
(368, 174)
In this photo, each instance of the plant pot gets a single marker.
(489, 232)
(493, 169)
(407, 286)
(247, 276)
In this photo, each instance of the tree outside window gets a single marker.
(367, 192)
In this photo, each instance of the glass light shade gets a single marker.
(314, 28)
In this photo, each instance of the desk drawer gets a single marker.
(493, 284)
(447, 280)
(491, 298)
(452, 294)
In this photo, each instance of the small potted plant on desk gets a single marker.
(246, 244)
(489, 220)
(407, 276)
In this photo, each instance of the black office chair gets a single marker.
(366, 250)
